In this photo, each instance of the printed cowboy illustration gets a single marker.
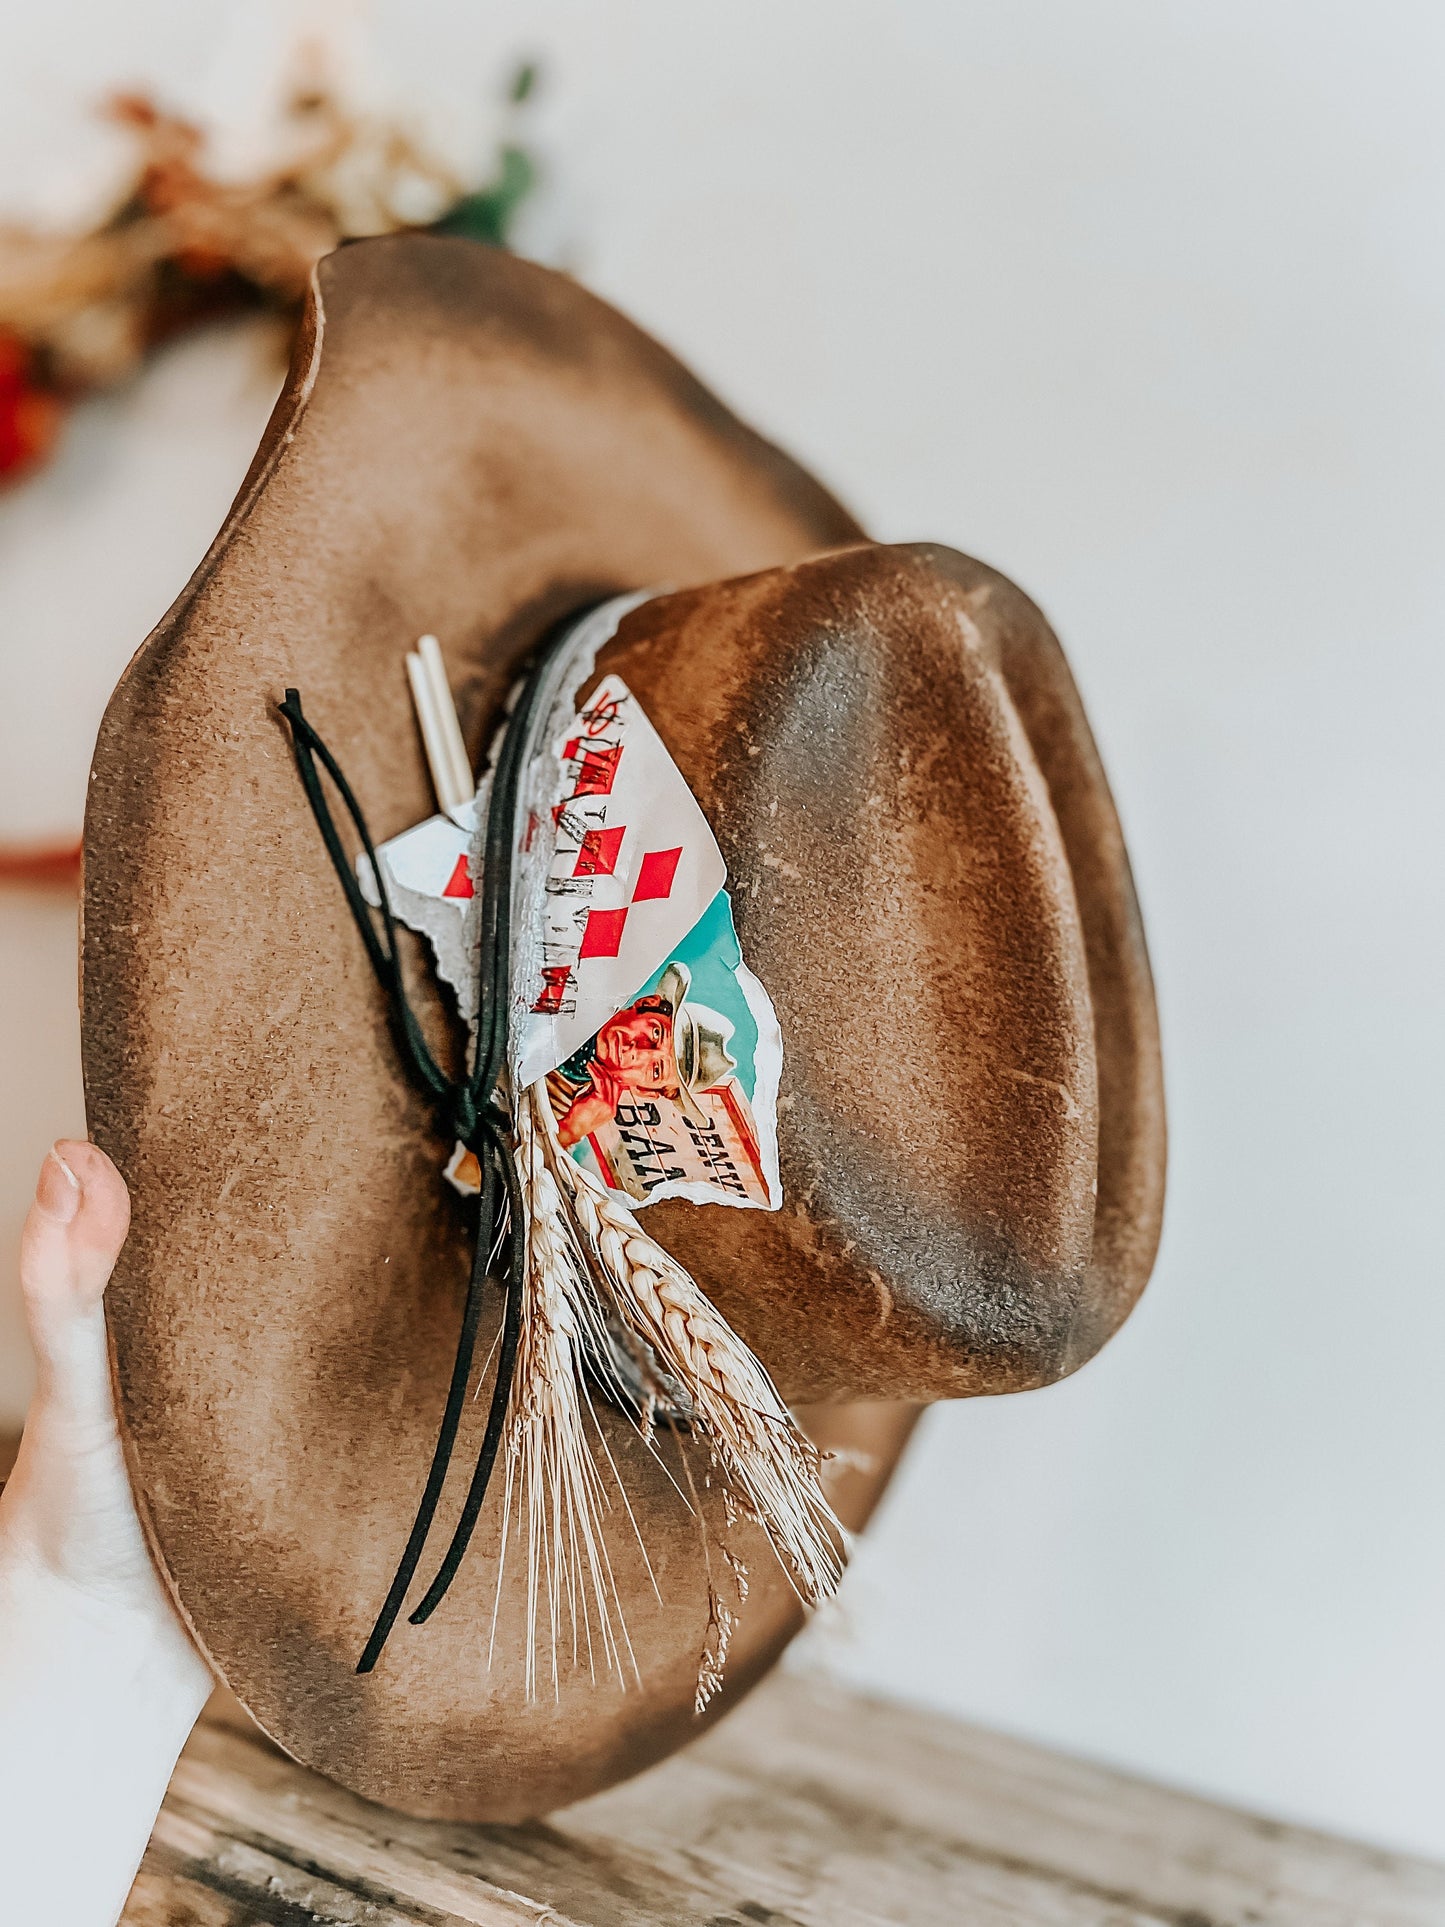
(656, 1098)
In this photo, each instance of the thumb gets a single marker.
(72, 1238)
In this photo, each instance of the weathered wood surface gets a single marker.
(809, 1807)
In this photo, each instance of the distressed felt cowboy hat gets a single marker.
(926, 873)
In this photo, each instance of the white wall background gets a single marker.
(1143, 301)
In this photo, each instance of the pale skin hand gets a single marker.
(99, 1681)
(68, 1504)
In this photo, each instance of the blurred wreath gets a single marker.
(182, 246)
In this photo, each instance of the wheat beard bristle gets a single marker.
(551, 1473)
(768, 1466)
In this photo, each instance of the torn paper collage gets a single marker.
(660, 1050)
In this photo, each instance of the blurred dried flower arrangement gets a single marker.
(181, 246)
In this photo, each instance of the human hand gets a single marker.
(68, 1507)
(99, 1681)
(590, 1109)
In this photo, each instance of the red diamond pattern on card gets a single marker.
(633, 866)
(596, 768)
(654, 877)
(459, 883)
(554, 988)
(602, 936)
(598, 854)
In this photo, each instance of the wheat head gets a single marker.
(551, 1471)
(765, 1460)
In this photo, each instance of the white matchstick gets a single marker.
(424, 702)
(441, 732)
(431, 654)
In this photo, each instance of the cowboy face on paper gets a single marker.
(659, 1046)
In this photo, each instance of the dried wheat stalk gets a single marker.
(768, 1465)
(551, 1472)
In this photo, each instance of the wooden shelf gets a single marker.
(809, 1807)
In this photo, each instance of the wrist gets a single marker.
(97, 1697)
(68, 1510)
(132, 1647)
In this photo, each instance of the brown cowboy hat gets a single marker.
(928, 877)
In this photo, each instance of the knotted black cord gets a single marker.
(501, 839)
(469, 1105)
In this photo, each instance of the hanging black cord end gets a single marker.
(464, 1109)
(500, 1155)
(466, 1106)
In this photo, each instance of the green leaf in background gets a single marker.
(488, 214)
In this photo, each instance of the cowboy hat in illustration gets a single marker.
(700, 1042)
(781, 989)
